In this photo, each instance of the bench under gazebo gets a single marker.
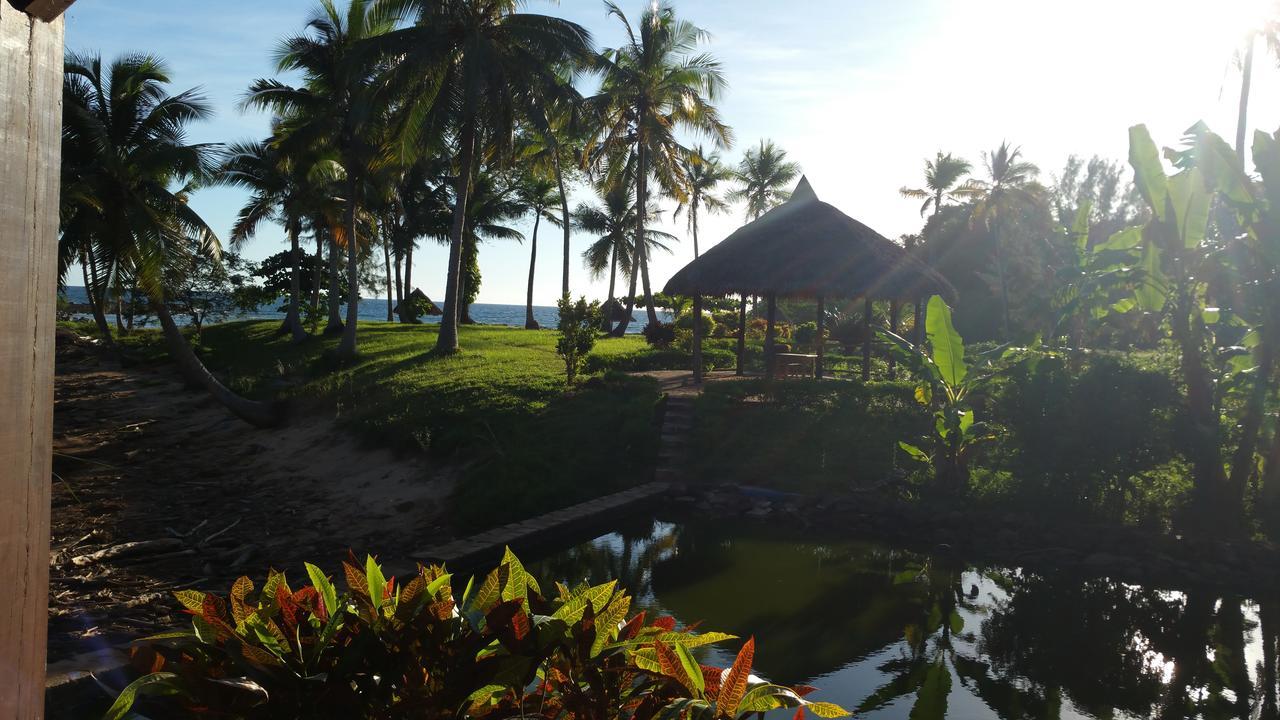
(805, 249)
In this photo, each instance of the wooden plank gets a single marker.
(30, 146)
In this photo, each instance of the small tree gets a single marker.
(579, 323)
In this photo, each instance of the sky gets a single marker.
(859, 92)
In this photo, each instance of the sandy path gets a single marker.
(140, 458)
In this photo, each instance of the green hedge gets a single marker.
(660, 359)
(803, 435)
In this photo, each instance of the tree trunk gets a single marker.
(637, 261)
(317, 278)
(529, 322)
(470, 259)
(386, 258)
(697, 339)
(334, 327)
(819, 344)
(613, 276)
(642, 249)
(294, 318)
(1004, 287)
(447, 341)
(95, 306)
(621, 328)
(866, 343)
(894, 311)
(1242, 119)
(1242, 462)
(693, 221)
(407, 313)
(398, 260)
(258, 414)
(119, 315)
(568, 229)
(347, 348)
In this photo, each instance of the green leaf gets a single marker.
(377, 581)
(1150, 293)
(966, 420)
(1126, 239)
(1080, 227)
(957, 623)
(1190, 200)
(322, 585)
(161, 683)
(572, 610)
(946, 343)
(1211, 316)
(1148, 170)
(826, 710)
(914, 451)
(924, 394)
(691, 669)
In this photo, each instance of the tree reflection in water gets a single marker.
(899, 634)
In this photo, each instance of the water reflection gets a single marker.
(904, 635)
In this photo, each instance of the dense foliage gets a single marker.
(416, 647)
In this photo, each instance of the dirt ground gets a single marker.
(140, 458)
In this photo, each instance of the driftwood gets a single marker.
(145, 547)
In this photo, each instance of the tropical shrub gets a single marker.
(659, 335)
(1082, 438)
(579, 324)
(685, 322)
(413, 647)
(671, 358)
(803, 435)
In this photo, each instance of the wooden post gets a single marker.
(822, 330)
(893, 328)
(772, 314)
(866, 345)
(697, 339)
(742, 337)
(30, 157)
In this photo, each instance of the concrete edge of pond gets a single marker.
(486, 548)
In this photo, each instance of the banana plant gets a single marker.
(946, 380)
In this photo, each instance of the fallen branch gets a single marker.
(127, 550)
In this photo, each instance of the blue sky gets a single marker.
(858, 91)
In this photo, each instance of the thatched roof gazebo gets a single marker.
(614, 311)
(422, 304)
(805, 248)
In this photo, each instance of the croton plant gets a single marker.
(416, 649)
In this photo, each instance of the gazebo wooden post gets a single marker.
(866, 345)
(822, 330)
(772, 314)
(893, 327)
(30, 156)
(697, 339)
(742, 336)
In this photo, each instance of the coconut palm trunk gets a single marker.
(347, 348)
(95, 307)
(447, 341)
(693, 218)
(386, 259)
(613, 277)
(334, 327)
(564, 215)
(294, 318)
(258, 414)
(317, 277)
(1246, 82)
(529, 322)
(406, 313)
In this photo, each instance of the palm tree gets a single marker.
(339, 104)
(491, 206)
(703, 174)
(654, 85)
(766, 176)
(473, 67)
(942, 177)
(1270, 32)
(539, 194)
(281, 189)
(612, 224)
(1010, 182)
(125, 150)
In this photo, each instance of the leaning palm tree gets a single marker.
(125, 150)
(942, 177)
(766, 176)
(470, 69)
(654, 85)
(338, 105)
(494, 203)
(703, 174)
(613, 224)
(539, 194)
(1010, 183)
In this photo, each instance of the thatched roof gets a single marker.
(614, 311)
(423, 301)
(807, 248)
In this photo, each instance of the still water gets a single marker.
(896, 634)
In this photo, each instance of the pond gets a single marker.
(898, 634)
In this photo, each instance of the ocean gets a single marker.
(375, 309)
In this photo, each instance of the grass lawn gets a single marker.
(500, 405)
